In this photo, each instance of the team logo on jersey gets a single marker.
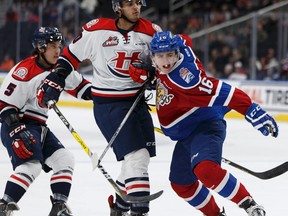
(156, 27)
(21, 72)
(186, 75)
(111, 41)
(91, 23)
(162, 96)
(119, 65)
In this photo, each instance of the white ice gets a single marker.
(90, 189)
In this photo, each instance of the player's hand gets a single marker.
(140, 71)
(50, 89)
(23, 140)
(261, 120)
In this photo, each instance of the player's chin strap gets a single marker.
(271, 173)
(94, 159)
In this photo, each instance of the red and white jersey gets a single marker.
(19, 88)
(111, 53)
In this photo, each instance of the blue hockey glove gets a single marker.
(50, 89)
(261, 120)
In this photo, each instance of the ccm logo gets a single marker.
(16, 130)
(253, 113)
(53, 84)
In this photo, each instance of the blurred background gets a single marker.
(234, 39)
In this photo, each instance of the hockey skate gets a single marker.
(252, 208)
(114, 211)
(222, 213)
(59, 208)
(6, 209)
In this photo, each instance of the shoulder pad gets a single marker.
(26, 69)
(147, 27)
(100, 24)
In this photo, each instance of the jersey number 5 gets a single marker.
(10, 89)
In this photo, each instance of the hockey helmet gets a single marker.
(164, 42)
(44, 35)
(116, 4)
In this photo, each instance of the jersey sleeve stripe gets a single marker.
(224, 95)
(212, 101)
(227, 101)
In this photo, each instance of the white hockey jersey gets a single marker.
(111, 53)
(18, 90)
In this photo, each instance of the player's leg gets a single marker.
(135, 142)
(25, 171)
(62, 162)
(17, 185)
(186, 185)
(209, 171)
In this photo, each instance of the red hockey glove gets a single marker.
(23, 140)
(138, 71)
(50, 89)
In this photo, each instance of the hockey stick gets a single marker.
(271, 173)
(93, 156)
(121, 125)
(94, 159)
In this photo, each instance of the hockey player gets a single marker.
(190, 108)
(29, 142)
(112, 45)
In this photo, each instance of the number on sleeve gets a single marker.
(10, 89)
(207, 85)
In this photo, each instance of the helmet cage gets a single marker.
(45, 35)
(117, 4)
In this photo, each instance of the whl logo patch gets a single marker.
(111, 41)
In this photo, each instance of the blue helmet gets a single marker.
(164, 42)
(44, 35)
(116, 4)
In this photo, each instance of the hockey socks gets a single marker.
(213, 176)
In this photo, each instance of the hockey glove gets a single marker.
(50, 89)
(140, 71)
(23, 140)
(261, 120)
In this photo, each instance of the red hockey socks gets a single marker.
(221, 181)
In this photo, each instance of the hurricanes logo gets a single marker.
(162, 96)
(119, 65)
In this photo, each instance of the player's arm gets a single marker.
(83, 86)
(223, 94)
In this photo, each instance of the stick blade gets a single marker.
(272, 173)
(142, 199)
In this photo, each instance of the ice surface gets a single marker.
(90, 189)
